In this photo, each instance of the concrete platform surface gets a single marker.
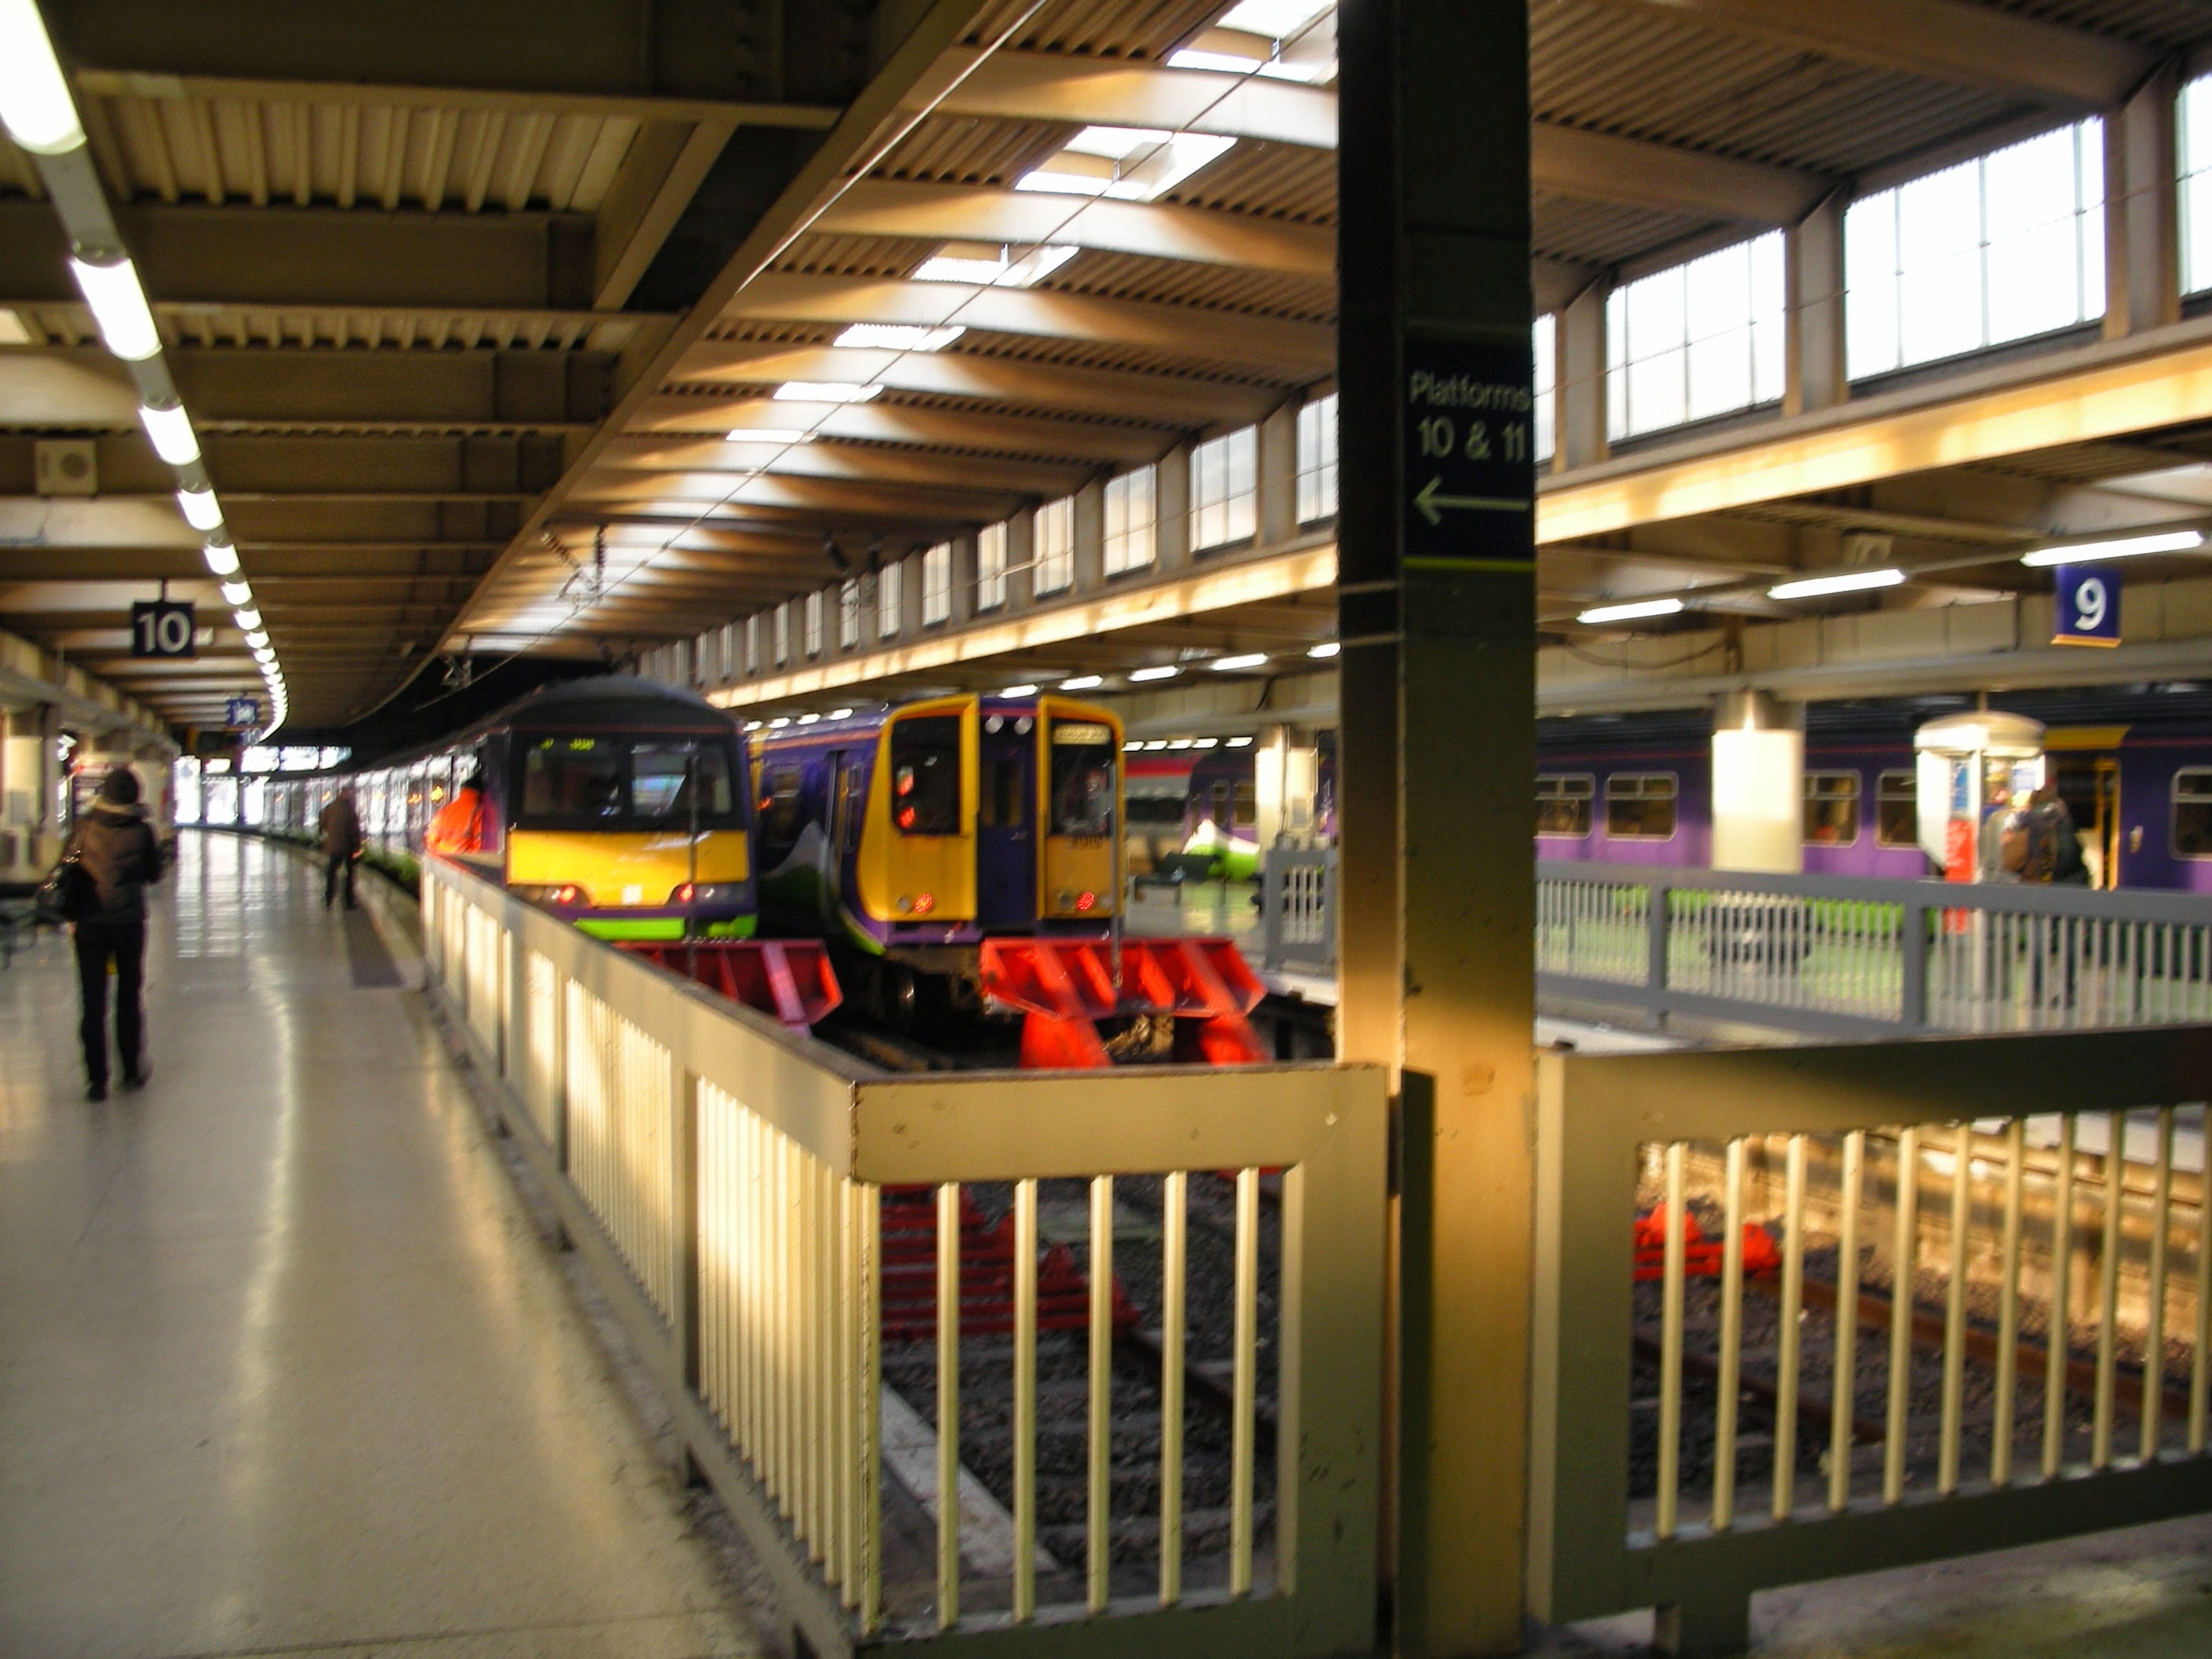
(285, 1368)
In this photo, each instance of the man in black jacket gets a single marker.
(116, 846)
(340, 824)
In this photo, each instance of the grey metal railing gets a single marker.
(1297, 910)
(1844, 955)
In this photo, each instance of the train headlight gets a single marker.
(566, 893)
(705, 892)
(1085, 902)
(916, 904)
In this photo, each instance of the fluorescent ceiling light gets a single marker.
(779, 722)
(1240, 743)
(247, 620)
(1209, 743)
(170, 430)
(992, 267)
(900, 336)
(1327, 648)
(200, 509)
(1141, 675)
(1131, 746)
(1276, 19)
(1129, 164)
(769, 435)
(841, 714)
(1019, 691)
(752, 725)
(2125, 547)
(222, 558)
(1082, 683)
(824, 392)
(1843, 582)
(34, 99)
(808, 720)
(237, 593)
(1157, 743)
(1179, 743)
(118, 306)
(1229, 665)
(1631, 611)
(257, 639)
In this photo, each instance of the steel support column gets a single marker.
(1437, 618)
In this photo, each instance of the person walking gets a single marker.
(115, 846)
(341, 826)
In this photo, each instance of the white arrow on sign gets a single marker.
(1433, 505)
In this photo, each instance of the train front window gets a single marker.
(1832, 809)
(1563, 804)
(925, 774)
(669, 781)
(2192, 812)
(1897, 810)
(572, 779)
(1083, 754)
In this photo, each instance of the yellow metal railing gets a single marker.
(728, 1184)
(1951, 1280)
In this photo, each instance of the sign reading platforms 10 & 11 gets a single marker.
(1469, 455)
(2088, 612)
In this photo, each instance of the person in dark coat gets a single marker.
(115, 846)
(340, 824)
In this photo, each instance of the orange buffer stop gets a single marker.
(790, 979)
(1065, 988)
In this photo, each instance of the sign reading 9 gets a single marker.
(2088, 612)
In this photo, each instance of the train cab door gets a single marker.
(1005, 824)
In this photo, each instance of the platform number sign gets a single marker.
(243, 713)
(1469, 456)
(2088, 608)
(163, 628)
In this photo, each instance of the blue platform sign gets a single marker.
(2088, 608)
(243, 712)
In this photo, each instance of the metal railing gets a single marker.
(848, 1390)
(1948, 1337)
(1297, 910)
(1842, 955)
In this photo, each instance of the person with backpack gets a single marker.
(114, 846)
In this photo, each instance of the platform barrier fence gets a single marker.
(1795, 1320)
(912, 1327)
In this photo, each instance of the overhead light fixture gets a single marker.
(841, 714)
(1164, 673)
(779, 722)
(237, 593)
(170, 429)
(222, 558)
(808, 720)
(900, 336)
(256, 638)
(1843, 582)
(752, 725)
(247, 620)
(1209, 743)
(824, 392)
(1019, 691)
(993, 267)
(118, 306)
(1157, 743)
(1326, 648)
(1082, 683)
(769, 435)
(1240, 743)
(2125, 547)
(200, 509)
(1633, 611)
(1179, 743)
(34, 99)
(1230, 664)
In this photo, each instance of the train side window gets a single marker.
(926, 776)
(1563, 804)
(1897, 810)
(1082, 760)
(2192, 812)
(1640, 805)
(1832, 809)
(779, 803)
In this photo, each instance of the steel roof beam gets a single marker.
(1110, 394)
(1973, 46)
(836, 460)
(1298, 347)
(925, 428)
(1595, 167)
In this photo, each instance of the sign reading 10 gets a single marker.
(1441, 440)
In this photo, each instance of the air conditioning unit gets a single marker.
(66, 466)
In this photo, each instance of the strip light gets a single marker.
(1082, 683)
(1230, 664)
(201, 509)
(824, 392)
(1635, 610)
(2126, 547)
(1326, 648)
(769, 435)
(170, 430)
(222, 558)
(1843, 582)
(118, 306)
(1019, 691)
(34, 100)
(1164, 673)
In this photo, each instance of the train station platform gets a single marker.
(289, 1365)
(285, 1366)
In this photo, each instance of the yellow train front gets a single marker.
(615, 803)
(911, 834)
